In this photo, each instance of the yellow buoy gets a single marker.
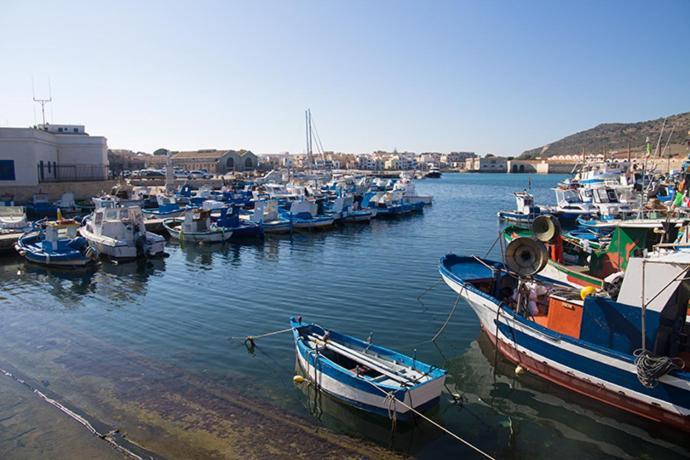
(587, 291)
(298, 379)
(519, 370)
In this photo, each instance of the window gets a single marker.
(59, 130)
(76, 130)
(7, 170)
(248, 163)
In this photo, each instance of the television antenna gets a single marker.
(43, 102)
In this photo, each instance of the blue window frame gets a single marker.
(7, 170)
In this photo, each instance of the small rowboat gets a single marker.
(366, 376)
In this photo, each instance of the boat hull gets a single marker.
(370, 399)
(116, 249)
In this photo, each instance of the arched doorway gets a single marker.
(514, 168)
(522, 168)
(230, 164)
(248, 164)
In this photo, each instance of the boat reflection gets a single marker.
(117, 282)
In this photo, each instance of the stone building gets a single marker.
(216, 161)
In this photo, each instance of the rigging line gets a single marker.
(492, 246)
(268, 334)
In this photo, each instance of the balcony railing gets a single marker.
(51, 172)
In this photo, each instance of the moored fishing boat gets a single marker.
(13, 219)
(267, 215)
(364, 375)
(167, 207)
(303, 215)
(525, 211)
(196, 226)
(121, 233)
(624, 348)
(56, 243)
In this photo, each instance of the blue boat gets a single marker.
(366, 376)
(607, 346)
(167, 208)
(303, 215)
(229, 218)
(41, 207)
(56, 243)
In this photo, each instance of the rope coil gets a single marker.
(651, 368)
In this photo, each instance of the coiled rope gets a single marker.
(651, 368)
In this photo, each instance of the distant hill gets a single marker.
(616, 136)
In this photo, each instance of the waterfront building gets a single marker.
(489, 163)
(51, 153)
(216, 161)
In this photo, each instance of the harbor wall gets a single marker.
(54, 190)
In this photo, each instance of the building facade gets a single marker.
(216, 161)
(51, 153)
(490, 164)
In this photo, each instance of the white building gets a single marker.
(370, 163)
(51, 153)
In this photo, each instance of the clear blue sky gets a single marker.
(486, 76)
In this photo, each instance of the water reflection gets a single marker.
(121, 282)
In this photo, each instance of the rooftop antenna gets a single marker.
(43, 102)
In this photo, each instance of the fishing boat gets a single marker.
(167, 207)
(41, 207)
(121, 233)
(388, 204)
(409, 192)
(56, 243)
(525, 211)
(13, 219)
(570, 206)
(228, 218)
(266, 214)
(434, 173)
(67, 205)
(344, 209)
(196, 226)
(366, 376)
(303, 215)
(625, 348)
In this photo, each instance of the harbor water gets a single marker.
(128, 342)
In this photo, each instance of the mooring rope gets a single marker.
(436, 424)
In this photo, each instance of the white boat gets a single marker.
(267, 215)
(120, 233)
(409, 192)
(196, 226)
(13, 219)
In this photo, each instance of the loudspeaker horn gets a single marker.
(526, 256)
(546, 228)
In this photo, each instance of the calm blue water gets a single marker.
(183, 311)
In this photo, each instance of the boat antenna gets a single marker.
(43, 102)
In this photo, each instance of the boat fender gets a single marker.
(298, 379)
(587, 291)
(519, 370)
